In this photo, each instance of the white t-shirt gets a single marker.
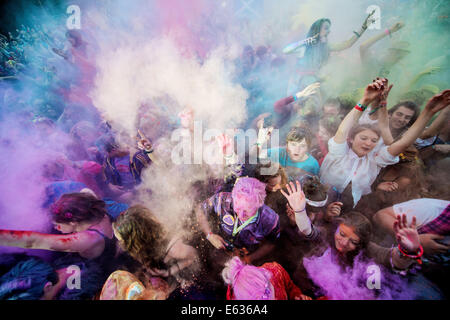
(365, 119)
(425, 209)
(341, 165)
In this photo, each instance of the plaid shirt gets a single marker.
(440, 225)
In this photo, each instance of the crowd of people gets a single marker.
(353, 179)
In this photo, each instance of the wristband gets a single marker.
(417, 256)
(360, 107)
(207, 236)
(357, 34)
(388, 32)
(298, 211)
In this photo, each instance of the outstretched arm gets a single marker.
(434, 105)
(437, 125)
(295, 46)
(350, 42)
(76, 242)
(368, 43)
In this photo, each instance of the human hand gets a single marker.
(407, 237)
(396, 27)
(388, 186)
(263, 133)
(225, 144)
(369, 20)
(431, 70)
(438, 102)
(309, 90)
(430, 245)
(442, 148)
(374, 90)
(217, 241)
(144, 143)
(303, 297)
(334, 209)
(295, 196)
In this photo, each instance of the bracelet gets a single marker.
(304, 209)
(417, 256)
(388, 32)
(360, 107)
(357, 34)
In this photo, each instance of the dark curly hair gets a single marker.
(78, 207)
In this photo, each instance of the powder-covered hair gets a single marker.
(26, 280)
(78, 207)
(250, 188)
(247, 282)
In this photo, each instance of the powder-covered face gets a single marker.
(401, 117)
(186, 118)
(324, 31)
(245, 206)
(364, 142)
(297, 150)
(331, 109)
(345, 239)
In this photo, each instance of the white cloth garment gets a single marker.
(425, 209)
(341, 165)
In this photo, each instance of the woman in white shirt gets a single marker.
(356, 155)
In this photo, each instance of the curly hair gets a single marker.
(142, 235)
(78, 207)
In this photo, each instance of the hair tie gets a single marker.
(68, 215)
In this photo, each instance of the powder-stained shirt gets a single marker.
(342, 166)
(265, 227)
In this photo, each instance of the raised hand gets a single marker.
(407, 237)
(397, 27)
(225, 144)
(369, 20)
(295, 196)
(374, 90)
(334, 209)
(309, 90)
(438, 102)
(144, 143)
(263, 133)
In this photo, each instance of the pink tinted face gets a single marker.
(64, 227)
(364, 142)
(244, 206)
(345, 239)
(186, 118)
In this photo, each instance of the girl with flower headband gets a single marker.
(85, 226)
